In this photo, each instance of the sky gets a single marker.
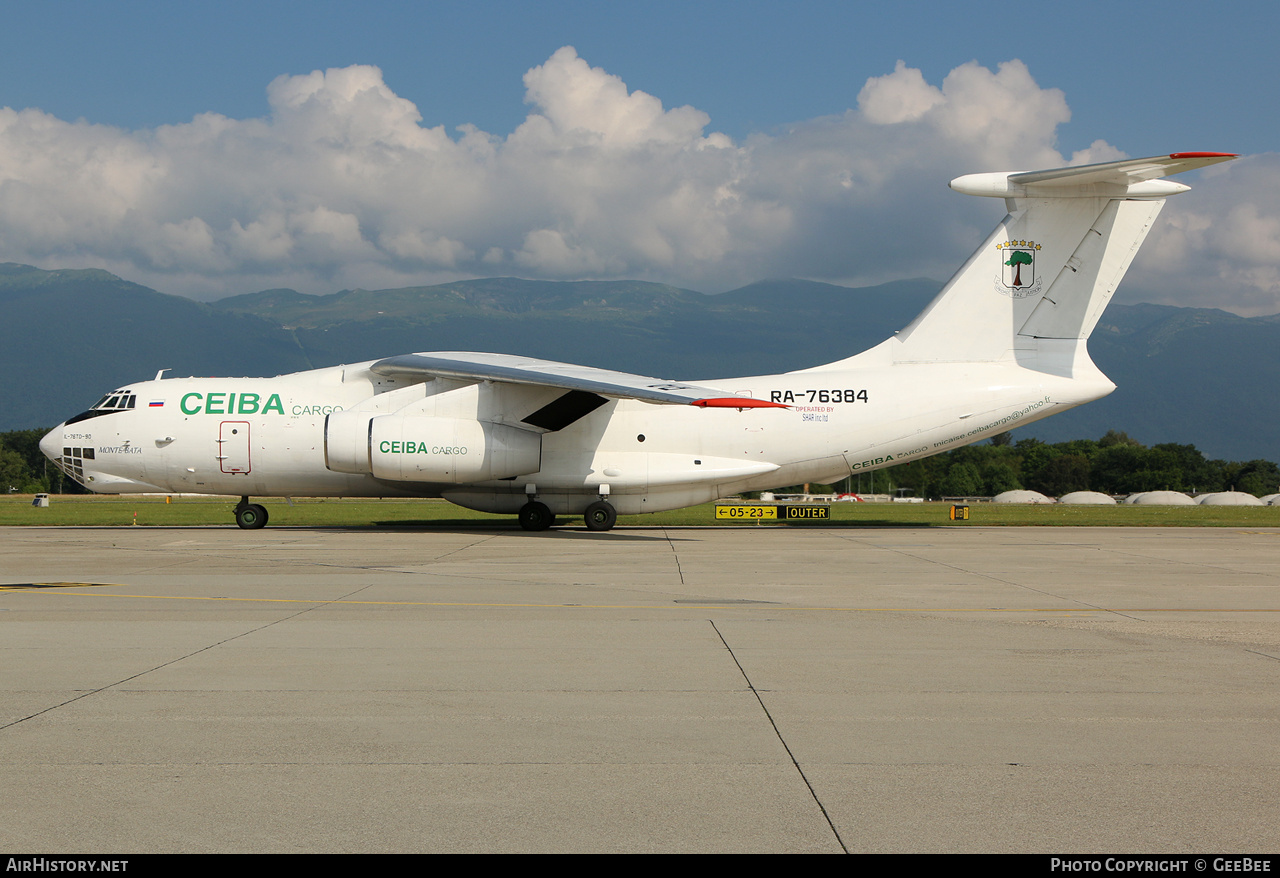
(215, 149)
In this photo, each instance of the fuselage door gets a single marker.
(233, 447)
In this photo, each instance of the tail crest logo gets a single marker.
(1018, 269)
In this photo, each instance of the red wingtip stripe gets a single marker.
(736, 402)
(1203, 155)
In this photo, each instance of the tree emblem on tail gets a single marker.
(1017, 259)
(1018, 268)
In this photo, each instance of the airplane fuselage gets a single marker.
(268, 437)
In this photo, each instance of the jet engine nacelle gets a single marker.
(418, 448)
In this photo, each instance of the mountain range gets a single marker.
(1188, 375)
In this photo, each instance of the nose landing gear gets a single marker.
(250, 516)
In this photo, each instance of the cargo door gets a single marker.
(233, 447)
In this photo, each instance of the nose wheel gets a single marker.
(250, 516)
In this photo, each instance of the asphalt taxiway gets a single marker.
(739, 689)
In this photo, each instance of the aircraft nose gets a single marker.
(51, 444)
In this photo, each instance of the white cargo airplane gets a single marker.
(1002, 345)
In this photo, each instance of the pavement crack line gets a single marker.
(1264, 654)
(174, 661)
(1008, 582)
(470, 545)
(411, 572)
(781, 739)
(676, 556)
(203, 552)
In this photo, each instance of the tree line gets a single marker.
(25, 470)
(1114, 464)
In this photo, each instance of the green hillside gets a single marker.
(68, 336)
(1196, 376)
(1185, 375)
(633, 326)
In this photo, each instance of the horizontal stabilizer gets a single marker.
(1131, 178)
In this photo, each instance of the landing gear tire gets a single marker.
(251, 516)
(600, 515)
(536, 516)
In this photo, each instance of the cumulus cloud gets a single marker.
(587, 106)
(902, 96)
(1217, 246)
(342, 184)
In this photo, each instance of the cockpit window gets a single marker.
(118, 401)
(121, 399)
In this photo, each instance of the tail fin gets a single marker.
(1037, 286)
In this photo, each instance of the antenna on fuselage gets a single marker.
(159, 374)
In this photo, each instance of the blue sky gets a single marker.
(780, 82)
(1140, 75)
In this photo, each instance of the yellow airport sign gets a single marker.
(763, 512)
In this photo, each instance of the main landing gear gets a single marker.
(600, 515)
(250, 516)
(534, 515)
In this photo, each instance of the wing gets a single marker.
(548, 373)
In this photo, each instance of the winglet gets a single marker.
(737, 402)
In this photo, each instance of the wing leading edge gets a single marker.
(566, 376)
